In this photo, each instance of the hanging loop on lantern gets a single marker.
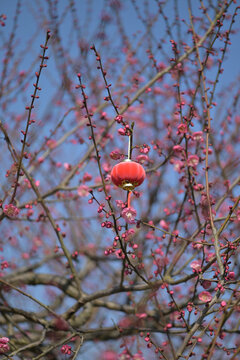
(130, 140)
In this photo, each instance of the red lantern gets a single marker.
(128, 174)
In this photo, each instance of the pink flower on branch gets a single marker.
(129, 214)
(196, 265)
(109, 355)
(141, 315)
(87, 177)
(4, 347)
(83, 190)
(51, 143)
(206, 284)
(11, 210)
(120, 204)
(205, 206)
(142, 159)
(182, 129)
(164, 225)
(66, 349)
(193, 161)
(197, 136)
(205, 296)
(178, 149)
(116, 155)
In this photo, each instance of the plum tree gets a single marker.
(90, 269)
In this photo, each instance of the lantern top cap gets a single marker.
(128, 160)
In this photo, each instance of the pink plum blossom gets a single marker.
(121, 131)
(193, 161)
(120, 204)
(164, 225)
(67, 166)
(182, 129)
(51, 143)
(106, 167)
(142, 159)
(196, 265)
(40, 159)
(141, 315)
(197, 136)
(4, 347)
(138, 356)
(116, 155)
(205, 296)
(11, 210)
(231, 275)
(178, 148)
(129, 214)
(83, 190)
(206, 284)
(178, 165)
(4, 340)
(198, 187)
(129, 234)
(205, 206)
(66, 349)
(87, 177)
(109, 355)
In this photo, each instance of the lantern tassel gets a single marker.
(129, 199)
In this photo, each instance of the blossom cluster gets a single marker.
(4, 347)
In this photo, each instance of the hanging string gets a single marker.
(130, 141)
